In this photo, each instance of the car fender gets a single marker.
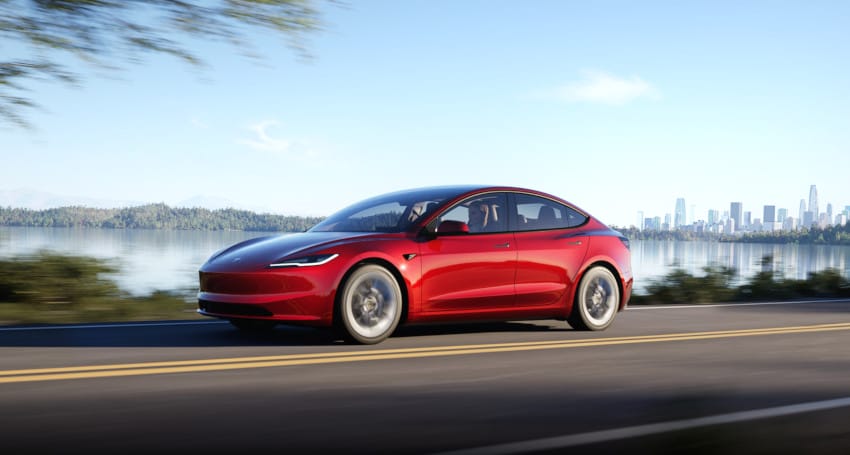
(595, 257)
(400, 261)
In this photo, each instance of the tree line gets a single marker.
(156, 216)
(832, 235)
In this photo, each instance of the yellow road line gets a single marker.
(235, 363)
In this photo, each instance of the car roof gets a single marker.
(464, 190)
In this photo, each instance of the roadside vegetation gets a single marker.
(52, 288)
(56, 288)
(718, 284)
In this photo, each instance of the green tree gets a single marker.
(109, 33)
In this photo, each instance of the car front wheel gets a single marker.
(596, 301)
(370, 305)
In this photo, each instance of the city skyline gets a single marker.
(773, 216)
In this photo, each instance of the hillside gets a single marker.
(155, 216)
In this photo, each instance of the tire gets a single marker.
(597, 300)
(370, 304)
(253, 325)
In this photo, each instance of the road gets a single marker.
(760, 378)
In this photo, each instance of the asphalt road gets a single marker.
(704, 379)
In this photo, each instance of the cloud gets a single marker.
(198, 123)
(601, 87)
(264, 141)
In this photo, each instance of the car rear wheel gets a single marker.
(597, 300)
(253, 325)
(370, 305)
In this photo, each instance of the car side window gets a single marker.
(483, 213)
(535, 213)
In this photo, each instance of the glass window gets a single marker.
(482, 213)
(394, 212)
(537, 213)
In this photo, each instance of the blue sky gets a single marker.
(615, 106)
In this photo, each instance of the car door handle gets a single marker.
(575, 242)
(503, 245)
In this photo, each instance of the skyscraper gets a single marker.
(809, 219)
(802, 209)
(680, 215)
(769, 219)
(769, 214)
(813, 201)
(789, 224)
(829, 218)
(736, 212)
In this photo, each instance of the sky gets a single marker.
(618, 107)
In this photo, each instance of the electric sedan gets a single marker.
(452, 253)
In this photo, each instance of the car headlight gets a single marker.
(306, 261)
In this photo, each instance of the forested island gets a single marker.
(156, 216)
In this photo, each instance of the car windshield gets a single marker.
(394, 212)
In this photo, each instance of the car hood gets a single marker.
(262, 251)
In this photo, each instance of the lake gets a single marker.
(169, 260)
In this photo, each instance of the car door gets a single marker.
(475, 270)
(550, 249)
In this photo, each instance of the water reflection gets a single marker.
(149, 259)
(169, 260)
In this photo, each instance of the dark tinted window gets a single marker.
(537, 213)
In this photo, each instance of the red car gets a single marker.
(454, 253)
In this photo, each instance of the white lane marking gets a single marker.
(108, 326)
(560, 442)
(719, 305)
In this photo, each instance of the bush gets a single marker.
(55, 288)
(679, 286)
(716, 285)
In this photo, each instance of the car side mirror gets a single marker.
(450, 227)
